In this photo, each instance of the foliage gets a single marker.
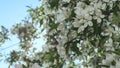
(84, 30)
(3, 35)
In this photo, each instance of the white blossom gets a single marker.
(67, 1)
(109, 59)
(61, 51)
(35, 65)
(81, 28)
(46, 65)
(117, 64)
(61, 26)
(62, 14)
(106, 0)
(18, 65)
(73, 31)
(112, 66)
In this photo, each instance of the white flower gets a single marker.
(104, 6)
(98, 15)
(90, 23)
(109, 44)
(98, 5)
(61, 26)
(109, 59)
(18, 65)
(81, 28)
(79, 46)
(45, 48)
(106, 0)
(73, 34)
(89, 18)
(66, 66)
(35, 65)
(62, 14)
(112, 66)
(91, 0)
(99, 20)
(67, 1)
(75, 24)
(37, 57)
(22, 35)
(117, 64)
(96, 50)
(46, 64)
(47, 10)
(44, 1)
(60, 17)
(52, 32)
(81, 4)
(27, 24)
(79, 11)
(61, 51)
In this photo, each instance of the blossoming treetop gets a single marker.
(79, 33)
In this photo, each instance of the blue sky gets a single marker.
(11, 12)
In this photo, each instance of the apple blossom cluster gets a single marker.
(69, 23)
(35, 65)
(25, 31)
(76, 21)
(88, 30)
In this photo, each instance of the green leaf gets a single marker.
(117, 52)
(53, 3)
(54, 26)
(48, 57)
(106, 66)
(113, 63)
(75, 49)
